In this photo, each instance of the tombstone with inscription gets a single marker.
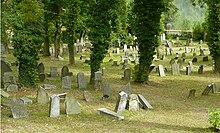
(106, 92)
(72, 106)
(18, 110)
(54, 105)
(121, 103)
(133, 102)
(161, 71)
(81, 80)
(127, 74)
(66, 82)
(53, 71)
(42, 96)
(175, 69)
(65, 72)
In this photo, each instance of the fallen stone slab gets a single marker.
(110, 113)
(4, 94)
(144, 102)
(25, 100)
(49, 87)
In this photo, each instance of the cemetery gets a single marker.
(85, 88)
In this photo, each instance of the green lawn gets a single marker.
(173, 111)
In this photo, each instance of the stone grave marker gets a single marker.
(171, 51)
(192, 93)
(167, 69)
(194, 59)
(172, 61)
(200, 70)
(81, 80)
(144, 102)
(167, 50)
(131, 48)
(208, 89)
(125, 48)
(206, 58)
(188, 70)
(103, 71)
(121, 103)
(127, 88)
(87, 96)
(98, 79)
(54, 105)
(161, 71)
(183, 55)
(115, 63)
(4, 94)
(110, 113)
(42, 96)
(66, 82)
(202, 52)
(106, 92)
(175, 69)
(180, 62)
(4, 68)
(186, 50)
(48, 86)
(127, 74)
(10, 82)
(72, 106)
(53, 71)
(65, 72)
(190, 64)
(40, 68)
(25, 100)
(117, 51)
(80, 47)
(18, 110)
(133, 102)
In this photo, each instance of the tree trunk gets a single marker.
(46, 42)
(217, 65)
(71, 48)
(57, 39)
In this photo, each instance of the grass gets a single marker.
(173, 111)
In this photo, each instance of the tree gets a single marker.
(147, 29)
(27, 39)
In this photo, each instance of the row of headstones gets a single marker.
(133, 102)
(210, 88)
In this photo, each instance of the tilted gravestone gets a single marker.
(127, 74)
(161, 71)
(133, 102)
(87, 96)
(66, 82)
(106, 92)
(42, 96)
(121, 103)
(54, 105)
(175, 69)
(144, 102)
(81, 80)
(18, 110)
(72, 106)
(192, 93)
(110, 113)
(65, 72)
(200, 70)
(210, 88)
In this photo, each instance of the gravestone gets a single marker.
(65, 51)
(192, 93)
(54, 105)
(42, 96)
(4, 94)
(152, 66)
(183, 55)
(65, 72)
(106, 92)
(117, 51)
(131, 48)
(103, 71)
(72, 106)
(49, 87)
(110, 113)
(133, 102)
(125, 48)
(98, 79)
(87, 96)
(206, 58)
(172, 61)
(200, 70)
(161, 71)
(10, 82)
(127, 88)
(171, 51)
(18, 110)
(40, 68)
(81, 80)
(80, 47)
(12, 87)
(207, 89)
(167, 50)
(194, 59)
(66, 82)
(144, 102)
(121, 103)
(115, 63)
(25, 100)
(159, 52)
(127, 74)
(175, 69)
(188, 70)
(180, 62)
(186, 50)
(202, 52)
(53, 71)
(200, 42)
(4, 68)
(42, 77)
(3, 48)
(190, 64)
(167, 69)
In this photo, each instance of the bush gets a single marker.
(214, 119)
(198, 32)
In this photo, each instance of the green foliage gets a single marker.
(27, 39)
(214, 119)
(198, 32)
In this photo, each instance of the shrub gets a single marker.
(198, 32)
(214, 119)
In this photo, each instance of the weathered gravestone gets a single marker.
(42, 77)
(115, 63)
(106, 92)
(10, 82)
(42, 96)
(18, 110)
(121, 103)
(127, 74)
(4, 68)
(133, 102)
(192, 93)
(53, 71)
(48, 86)
(98, 79)
(4, 94)
(25, 100)
(81, 80)
(65, 72)
(200, 70)
(110, 113)
(54, 105)
(87, 96)
(127, 88)
(202, 52)
(210, 88)
(66, 82)
(206, 58)
(194, 59)
(40, 68)
(180, 62)
(125, 47)
(161, 71)
(175, 69)
(167, 50)
(144, 102)
(72, 106)
(188, 70)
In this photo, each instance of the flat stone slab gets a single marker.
(49, 87)
(4, 94)
(25, 100)
(18, 110)
(110, 113)
(144, 102)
